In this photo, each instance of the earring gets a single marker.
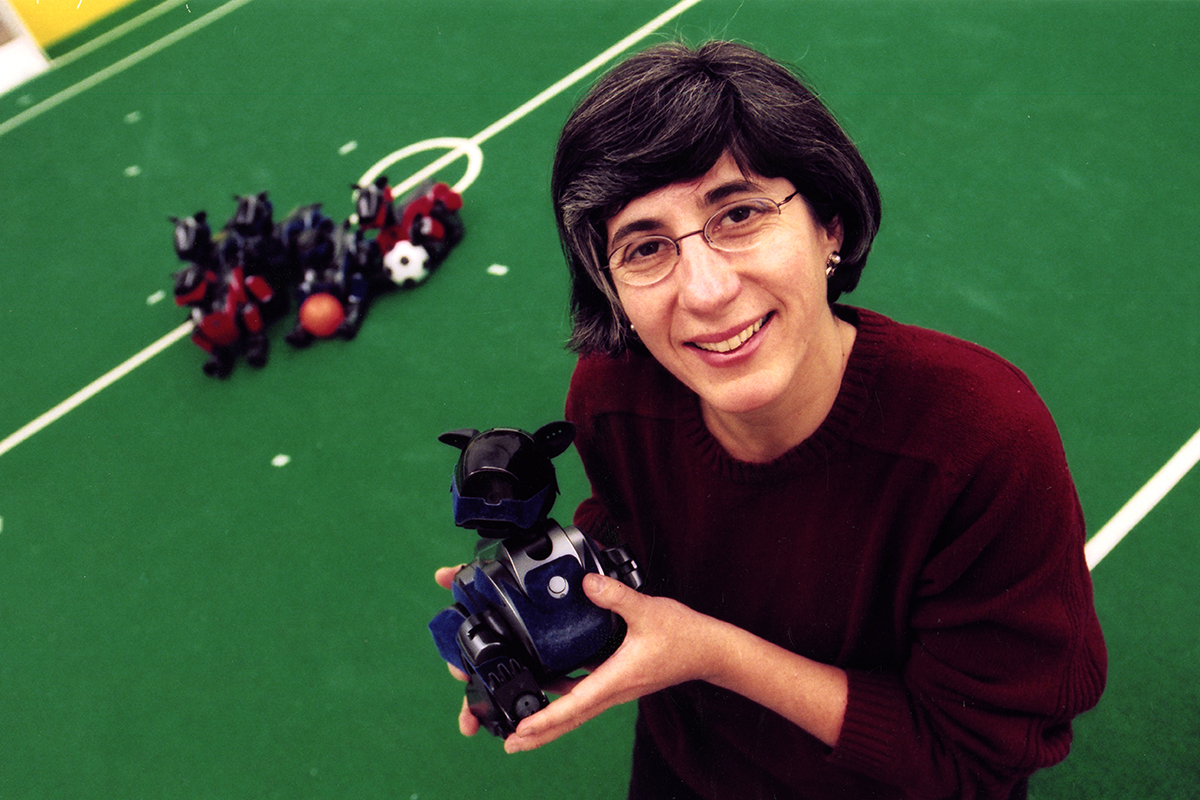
(832, 264)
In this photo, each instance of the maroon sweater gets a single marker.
(927, 538)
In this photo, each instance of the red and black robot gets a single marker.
(414, 241)
(225, 283)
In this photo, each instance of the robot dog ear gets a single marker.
(459, 438)
(555, 438)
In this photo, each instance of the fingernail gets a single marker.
(592, 582)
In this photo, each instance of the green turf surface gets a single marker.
(181, 618)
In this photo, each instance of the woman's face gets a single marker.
(743, 330)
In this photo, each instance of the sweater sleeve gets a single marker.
(1005, 647)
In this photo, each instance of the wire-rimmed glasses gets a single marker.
(735, 227)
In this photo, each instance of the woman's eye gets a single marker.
(741, 215)
(642, 251)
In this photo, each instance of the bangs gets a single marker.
(679, 137)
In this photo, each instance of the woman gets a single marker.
(863, 548)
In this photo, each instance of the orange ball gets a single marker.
(321, 314)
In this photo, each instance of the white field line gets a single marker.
(116, 68)
(94, 388)
(116, 33)
(1143, 502)
(537, 101)
(107, 380)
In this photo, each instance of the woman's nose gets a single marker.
(707, 278)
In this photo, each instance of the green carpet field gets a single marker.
(220, 588)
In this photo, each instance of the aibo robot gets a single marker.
(333, 260)
(226, 304)
(521, 620)
(413, 237)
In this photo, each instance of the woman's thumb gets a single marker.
(604, 591)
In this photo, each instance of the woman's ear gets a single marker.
(835, 232)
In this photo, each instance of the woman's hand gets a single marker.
(445, 576)
(666, 644)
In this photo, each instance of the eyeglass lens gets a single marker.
(737, 226)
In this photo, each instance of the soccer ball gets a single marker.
(405, 264)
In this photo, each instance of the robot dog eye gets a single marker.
(492, 488)
(488, 505)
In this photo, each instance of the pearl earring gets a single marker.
(832, 264)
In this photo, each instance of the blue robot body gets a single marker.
(520, 618)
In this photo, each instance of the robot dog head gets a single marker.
(504, 480)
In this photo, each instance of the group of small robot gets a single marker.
(243, 278)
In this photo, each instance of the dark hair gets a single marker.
(667, 115)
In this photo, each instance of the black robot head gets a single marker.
(504, 480)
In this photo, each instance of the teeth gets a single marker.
(733, 342)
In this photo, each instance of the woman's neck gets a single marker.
(765, 434)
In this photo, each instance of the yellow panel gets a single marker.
(53, 20)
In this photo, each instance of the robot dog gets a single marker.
(521, 619)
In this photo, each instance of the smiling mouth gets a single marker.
(733, 342)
